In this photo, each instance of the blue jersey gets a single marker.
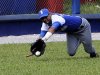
(62, 22)
(72, 22)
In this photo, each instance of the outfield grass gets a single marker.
(55, 61)
(90, 8)
(85, 8)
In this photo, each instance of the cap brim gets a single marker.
(44, 15)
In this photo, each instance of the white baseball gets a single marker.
(37, 53)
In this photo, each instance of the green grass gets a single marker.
(90, 8)
(55, 61)
(85, 8)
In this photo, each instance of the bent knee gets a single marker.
(71, 54)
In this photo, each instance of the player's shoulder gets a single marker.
(57, 18)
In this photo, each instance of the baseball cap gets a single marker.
(43, 13)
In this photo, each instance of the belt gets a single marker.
(81, 27)
(82, 24)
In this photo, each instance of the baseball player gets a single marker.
(77, 29)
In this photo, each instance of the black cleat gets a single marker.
(93, 55)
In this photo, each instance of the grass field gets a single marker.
(85, 8)
(55, 61)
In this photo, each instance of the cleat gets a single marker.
(93, 55)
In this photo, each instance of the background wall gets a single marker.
(20, 27)
(19, 17)
(26, 27)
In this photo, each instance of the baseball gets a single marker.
(37, 53)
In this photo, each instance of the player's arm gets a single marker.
(43, 31)
(51, 30)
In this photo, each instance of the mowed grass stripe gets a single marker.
(55, 61)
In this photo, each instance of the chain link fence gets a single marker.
(10, 7)
(90, 7)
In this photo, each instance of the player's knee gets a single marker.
(71, 54)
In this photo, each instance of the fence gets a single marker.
(19, 17)
(13, 7)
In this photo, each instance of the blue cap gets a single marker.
(43, 13)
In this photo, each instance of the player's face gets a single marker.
(46, 20)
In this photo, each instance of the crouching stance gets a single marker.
(77, 29)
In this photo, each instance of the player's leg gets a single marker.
(86, 39)
(72, 44)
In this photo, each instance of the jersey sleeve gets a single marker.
(57, 21)
(56, 25)
(42, 33)
(58, 18)
(44, 29)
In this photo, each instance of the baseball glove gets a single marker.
(39, 45)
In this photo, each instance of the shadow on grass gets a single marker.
(47, 59)
(68, 58)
